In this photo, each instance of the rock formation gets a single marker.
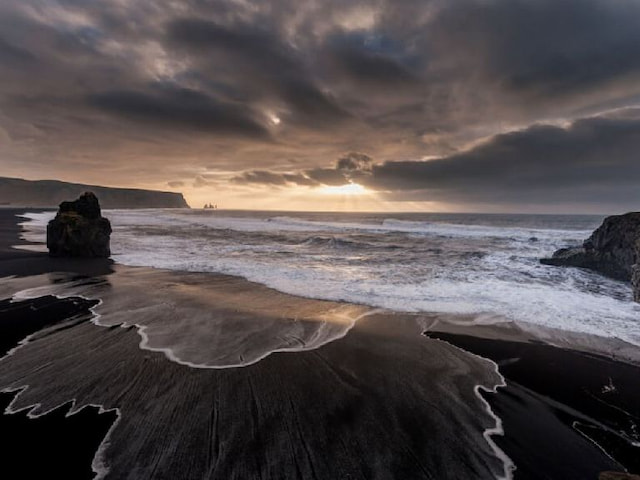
(79, 229)
(613, 249)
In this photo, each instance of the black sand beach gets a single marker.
(373, 400)
(589, 393)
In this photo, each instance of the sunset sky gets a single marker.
(398, 105)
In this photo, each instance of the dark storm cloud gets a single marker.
(246, 42)
(314, 107)
(369, 61)
(594, 160)
(373, 68)
(180, 108)
(355, 161)
(14, 54)
(547, 47)
(266, 66)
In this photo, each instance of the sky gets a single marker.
(388, 105)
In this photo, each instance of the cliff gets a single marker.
(49, 193)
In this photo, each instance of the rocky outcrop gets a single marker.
(79, 229)
(613, 249)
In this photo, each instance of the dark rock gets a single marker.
(86, 205)
(613, 245)
(568, 257)
(79, 229)
(613, 249)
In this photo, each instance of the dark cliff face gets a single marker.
(47, 193)
(79, 229)
(613, 249)
(613, 244)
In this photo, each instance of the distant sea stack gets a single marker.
(79, 229)
(49, 193)
(613, 249)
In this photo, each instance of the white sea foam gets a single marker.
(497, 430)
(36, 219)
(34, 228)
(202, 338)
(454, 230)
(164, 218)
(492, 272)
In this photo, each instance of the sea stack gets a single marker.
(79, 229)
(613, 249)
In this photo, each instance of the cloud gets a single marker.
(200, 182)
(543, 48)
(373, 68)
(352, 167)
(274, 179)
(14, 54)
(349, 167)
(369, 61)
(175, 184)
(247, 43)
(263, 177)
(180, 108)
(259, 64)
(592, 162)
(355, 161)
(327, 176)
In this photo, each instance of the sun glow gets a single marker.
(348, 189)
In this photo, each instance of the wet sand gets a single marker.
(587, 393)
(52, 446)
(370, 399)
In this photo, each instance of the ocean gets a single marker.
(275, 376)
(484, 267)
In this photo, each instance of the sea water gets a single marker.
(486, 266)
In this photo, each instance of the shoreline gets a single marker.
(374, 327)
(463, 323)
